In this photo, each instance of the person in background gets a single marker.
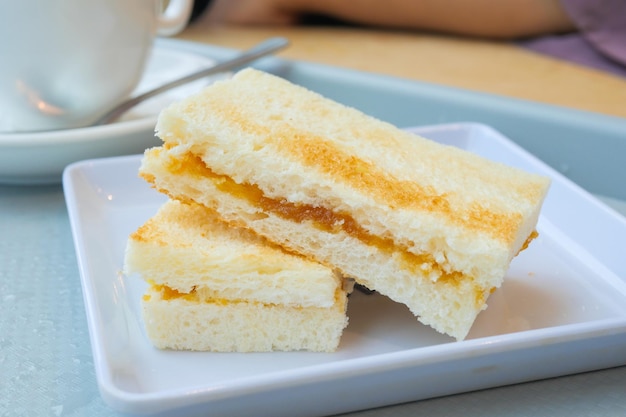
(588, 32)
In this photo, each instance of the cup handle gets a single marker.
(174, 18)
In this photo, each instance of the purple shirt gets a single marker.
(601, 40)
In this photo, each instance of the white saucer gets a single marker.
(40, 157)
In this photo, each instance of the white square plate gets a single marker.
(562, 309)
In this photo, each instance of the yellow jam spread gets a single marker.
(167, 293)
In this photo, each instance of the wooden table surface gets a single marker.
(494, 67)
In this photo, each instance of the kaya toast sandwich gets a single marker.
(431, 226)
(219, 288)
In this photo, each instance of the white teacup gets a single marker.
(63, 63)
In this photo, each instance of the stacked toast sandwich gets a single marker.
(430, 226)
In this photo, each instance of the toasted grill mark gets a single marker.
(396, 193)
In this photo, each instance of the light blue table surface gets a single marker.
(46, 366)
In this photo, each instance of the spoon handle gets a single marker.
(260, 50)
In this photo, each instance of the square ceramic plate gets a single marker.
(562, 309)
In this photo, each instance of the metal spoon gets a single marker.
(260, 50)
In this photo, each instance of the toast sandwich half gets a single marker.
(431, 226)
(213, 287)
